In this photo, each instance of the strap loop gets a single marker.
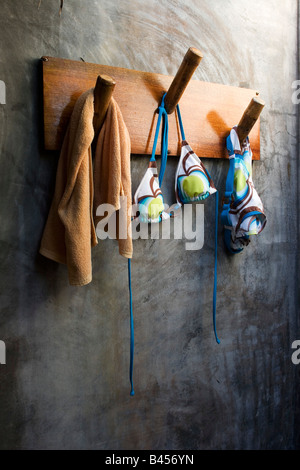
(162, 113)
(180, 122)
(216, 267)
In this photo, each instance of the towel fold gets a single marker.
(70, 233)
(112, 177)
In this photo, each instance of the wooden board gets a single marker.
(208, 110)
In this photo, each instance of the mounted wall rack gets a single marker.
(209, 110)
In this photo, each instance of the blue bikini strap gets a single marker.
(230, 176)
(216, 266)
(229, 183)
(131, 329)
(162, 113)
(216, 237)
(180, 122)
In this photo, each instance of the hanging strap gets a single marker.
(216, 237)
(131, 329)
(162, 113)
(229, 183)
(216, 266)
(180, 122)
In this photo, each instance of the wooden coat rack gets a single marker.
(209, 110)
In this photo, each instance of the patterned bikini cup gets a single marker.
(192, 182)
(243, 216)
(149, 197)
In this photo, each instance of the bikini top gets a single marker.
(192, 183)
(242, 213)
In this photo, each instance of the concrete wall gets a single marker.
(65, 384)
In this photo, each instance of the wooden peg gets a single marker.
(188, 66)
(249, 118)
(102, 94)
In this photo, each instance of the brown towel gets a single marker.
(69, 233)
(112, 176)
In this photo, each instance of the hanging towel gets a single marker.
(112, 177)
(70, 233)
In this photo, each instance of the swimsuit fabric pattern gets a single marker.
(149, 197)
(243, 214)
(193, 182)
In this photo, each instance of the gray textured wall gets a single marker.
(65, 384)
